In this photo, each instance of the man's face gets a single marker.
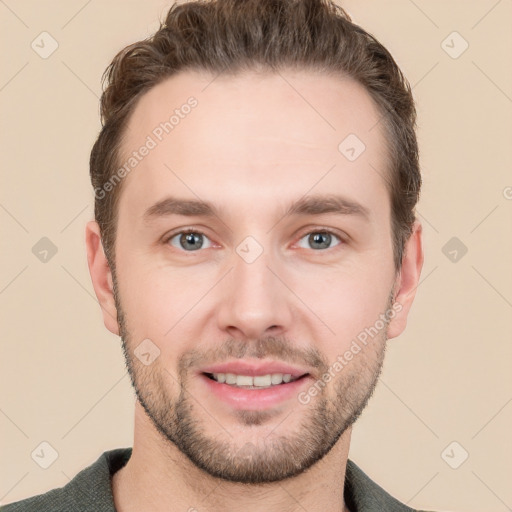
(254, 289)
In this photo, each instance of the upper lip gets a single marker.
(254, 369)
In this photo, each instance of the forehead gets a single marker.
(227, 138)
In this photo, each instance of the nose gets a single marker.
(253, 300)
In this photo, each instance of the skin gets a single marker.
(252, 146)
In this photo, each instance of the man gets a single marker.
(255, 246)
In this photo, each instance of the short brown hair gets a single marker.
(230, 36)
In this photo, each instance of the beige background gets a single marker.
(447, 378)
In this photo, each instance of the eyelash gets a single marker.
(167, 239)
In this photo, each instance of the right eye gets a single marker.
(188, 239)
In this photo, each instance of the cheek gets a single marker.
(347, 304)
(159, 300)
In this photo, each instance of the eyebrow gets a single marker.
(307, 205)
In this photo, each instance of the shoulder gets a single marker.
(90, 490)
(362, 494)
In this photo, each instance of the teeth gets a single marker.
(263, 380)
(259, 381)
(230, 378)
(276, 378)
(243, 380)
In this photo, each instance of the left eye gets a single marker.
(320, 239)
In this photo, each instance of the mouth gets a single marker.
(268, 380)
(254, 385)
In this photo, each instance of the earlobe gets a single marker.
(101, 276)
(407, 281)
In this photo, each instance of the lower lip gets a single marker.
(254, 399)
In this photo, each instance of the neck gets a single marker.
(159, 477)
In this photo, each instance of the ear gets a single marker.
(101, 276)
(407, 281)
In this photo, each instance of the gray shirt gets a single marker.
(91, 490)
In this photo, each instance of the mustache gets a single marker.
(271, 347)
